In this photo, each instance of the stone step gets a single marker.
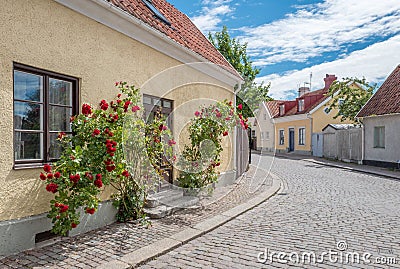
(163, 210)
(163, 197)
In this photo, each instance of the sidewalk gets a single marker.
(373, 170)
(124, 245)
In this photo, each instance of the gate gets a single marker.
(242, 151)
(317, 145)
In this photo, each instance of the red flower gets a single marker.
(197, 113)
(86, 109)
(103, 104)
(217, 164)
(225, 133)
(240, 107)
(119, 95)
(98, 183)
(116, 84)
(49, 175)
(47, 168)
(171, 142)
(115, 117)
(125, 173)
(218, 114)
(61, 135)
(52, 187)
(110, 168)
(227, 118)
(57, 174)
(96, 132)
(72, 118)
(90, 211)
(89, 175)
(63, 208)
(162, 127)
(230, 103)
(98, 176)
(75, 178)
(135, 108)
(73, 225)
(42, 176)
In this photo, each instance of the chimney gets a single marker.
(303, 90)
(329, 79)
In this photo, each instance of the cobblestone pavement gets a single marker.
(94, 248)
(320, 209)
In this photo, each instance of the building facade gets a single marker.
(56, 55)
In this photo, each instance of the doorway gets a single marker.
(291, 139)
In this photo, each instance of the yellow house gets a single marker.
(83, 47)
(299, 123)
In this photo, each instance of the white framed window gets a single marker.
(302, 134)
(301, 105)
(281, 137)
(282, 110)
(379, 137)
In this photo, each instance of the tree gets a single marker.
(250, 94)
(349, 99)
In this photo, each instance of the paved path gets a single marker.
(110, 243)
(320, 209)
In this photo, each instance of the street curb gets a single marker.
(353, 169)
(144, 254)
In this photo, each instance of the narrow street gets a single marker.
(323, 217)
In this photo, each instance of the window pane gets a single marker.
(28, 86)
(55, 147)
(167, 104)
(147, 100)
(28, 116)
(60, 92)
(59, 118)
(28, 146)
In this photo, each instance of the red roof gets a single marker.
(273, 107)
(387, 99)
(182, 30)
(311, 100)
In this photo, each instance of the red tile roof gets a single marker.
(182, 30)
(273, 107)
(311, 100)
(387, 99)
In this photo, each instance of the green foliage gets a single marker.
(100, 154)
(349, 99)
(250, 94)
(201, 157)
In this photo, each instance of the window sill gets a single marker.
(21, 166)
(379, 147)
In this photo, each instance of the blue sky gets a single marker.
(290, 39)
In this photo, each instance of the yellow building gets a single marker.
(84, 47)
(299, 123)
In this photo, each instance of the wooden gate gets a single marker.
(242, 151)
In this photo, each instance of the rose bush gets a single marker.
(202, 156)
(101, 153)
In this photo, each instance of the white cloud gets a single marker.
(324, 27)
(374, 63)
(211, 15)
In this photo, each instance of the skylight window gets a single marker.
(156, 12)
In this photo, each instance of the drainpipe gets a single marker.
(362, 141)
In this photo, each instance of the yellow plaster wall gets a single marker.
(321, 119)
(46, 35)
(306, 123)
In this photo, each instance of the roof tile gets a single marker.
(387, 99)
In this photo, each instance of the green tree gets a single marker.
(250, 94)
(349, 99)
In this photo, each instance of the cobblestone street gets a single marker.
(319, 210)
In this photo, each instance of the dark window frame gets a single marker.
(47, 75)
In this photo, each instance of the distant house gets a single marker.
(381, 120)
(299, 123)
(265, 129)
(56, 55)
